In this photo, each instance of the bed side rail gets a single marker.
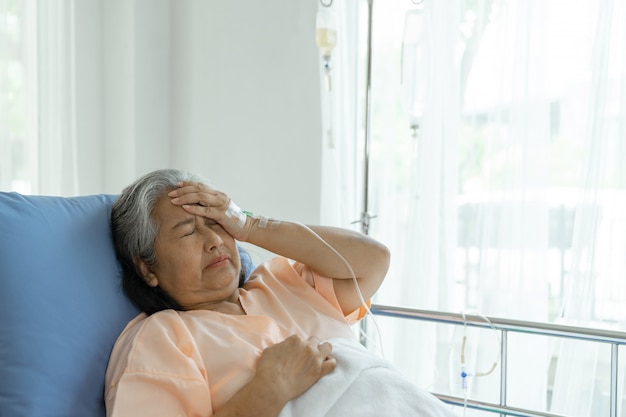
(504, 326)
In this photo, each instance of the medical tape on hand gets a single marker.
(263, 221)
(234, 212)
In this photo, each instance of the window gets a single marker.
(497, 180)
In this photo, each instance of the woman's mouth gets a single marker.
(219, 261)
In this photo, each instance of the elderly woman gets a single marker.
(208, 343)
(212, 342)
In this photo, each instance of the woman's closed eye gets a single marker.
(189, 232)
(210, 222)
(207, 223)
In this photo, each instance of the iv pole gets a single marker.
(366, 216)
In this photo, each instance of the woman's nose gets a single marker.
(212, 239)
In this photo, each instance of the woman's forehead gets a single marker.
(170, 216)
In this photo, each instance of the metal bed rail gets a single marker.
(613, 338)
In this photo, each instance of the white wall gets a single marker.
(226, 89)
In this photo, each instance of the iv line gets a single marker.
(464, 374)
(356, 287)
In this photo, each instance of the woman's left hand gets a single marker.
(201, 200)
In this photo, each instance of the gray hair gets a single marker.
(134, 235)
(134, 229)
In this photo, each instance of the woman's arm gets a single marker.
(333, 252)
(325, 249)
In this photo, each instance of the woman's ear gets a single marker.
(146, 272)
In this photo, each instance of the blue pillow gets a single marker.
(61, 304)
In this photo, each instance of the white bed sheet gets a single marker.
(364, 384)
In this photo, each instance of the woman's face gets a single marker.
(197, 261)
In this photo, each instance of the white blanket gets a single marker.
(364, 385)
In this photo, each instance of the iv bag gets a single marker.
(326, 32)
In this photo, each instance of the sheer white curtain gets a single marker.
(342, 118)
(413, 175)
(72, 74)
(17, 95)
(40, 97)
(56, 167)
(595, 293)
(510, 199)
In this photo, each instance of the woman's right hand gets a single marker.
(284, 371)
(294, 365)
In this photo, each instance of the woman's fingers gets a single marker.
(202, 200)
(328, 365)
(322, 351)
(325, 348)
(199, 194)
(295, 364)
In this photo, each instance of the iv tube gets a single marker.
(414, 64)
(326, 39)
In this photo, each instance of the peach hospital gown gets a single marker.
(189, 363)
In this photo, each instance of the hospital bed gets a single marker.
(61, 310)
